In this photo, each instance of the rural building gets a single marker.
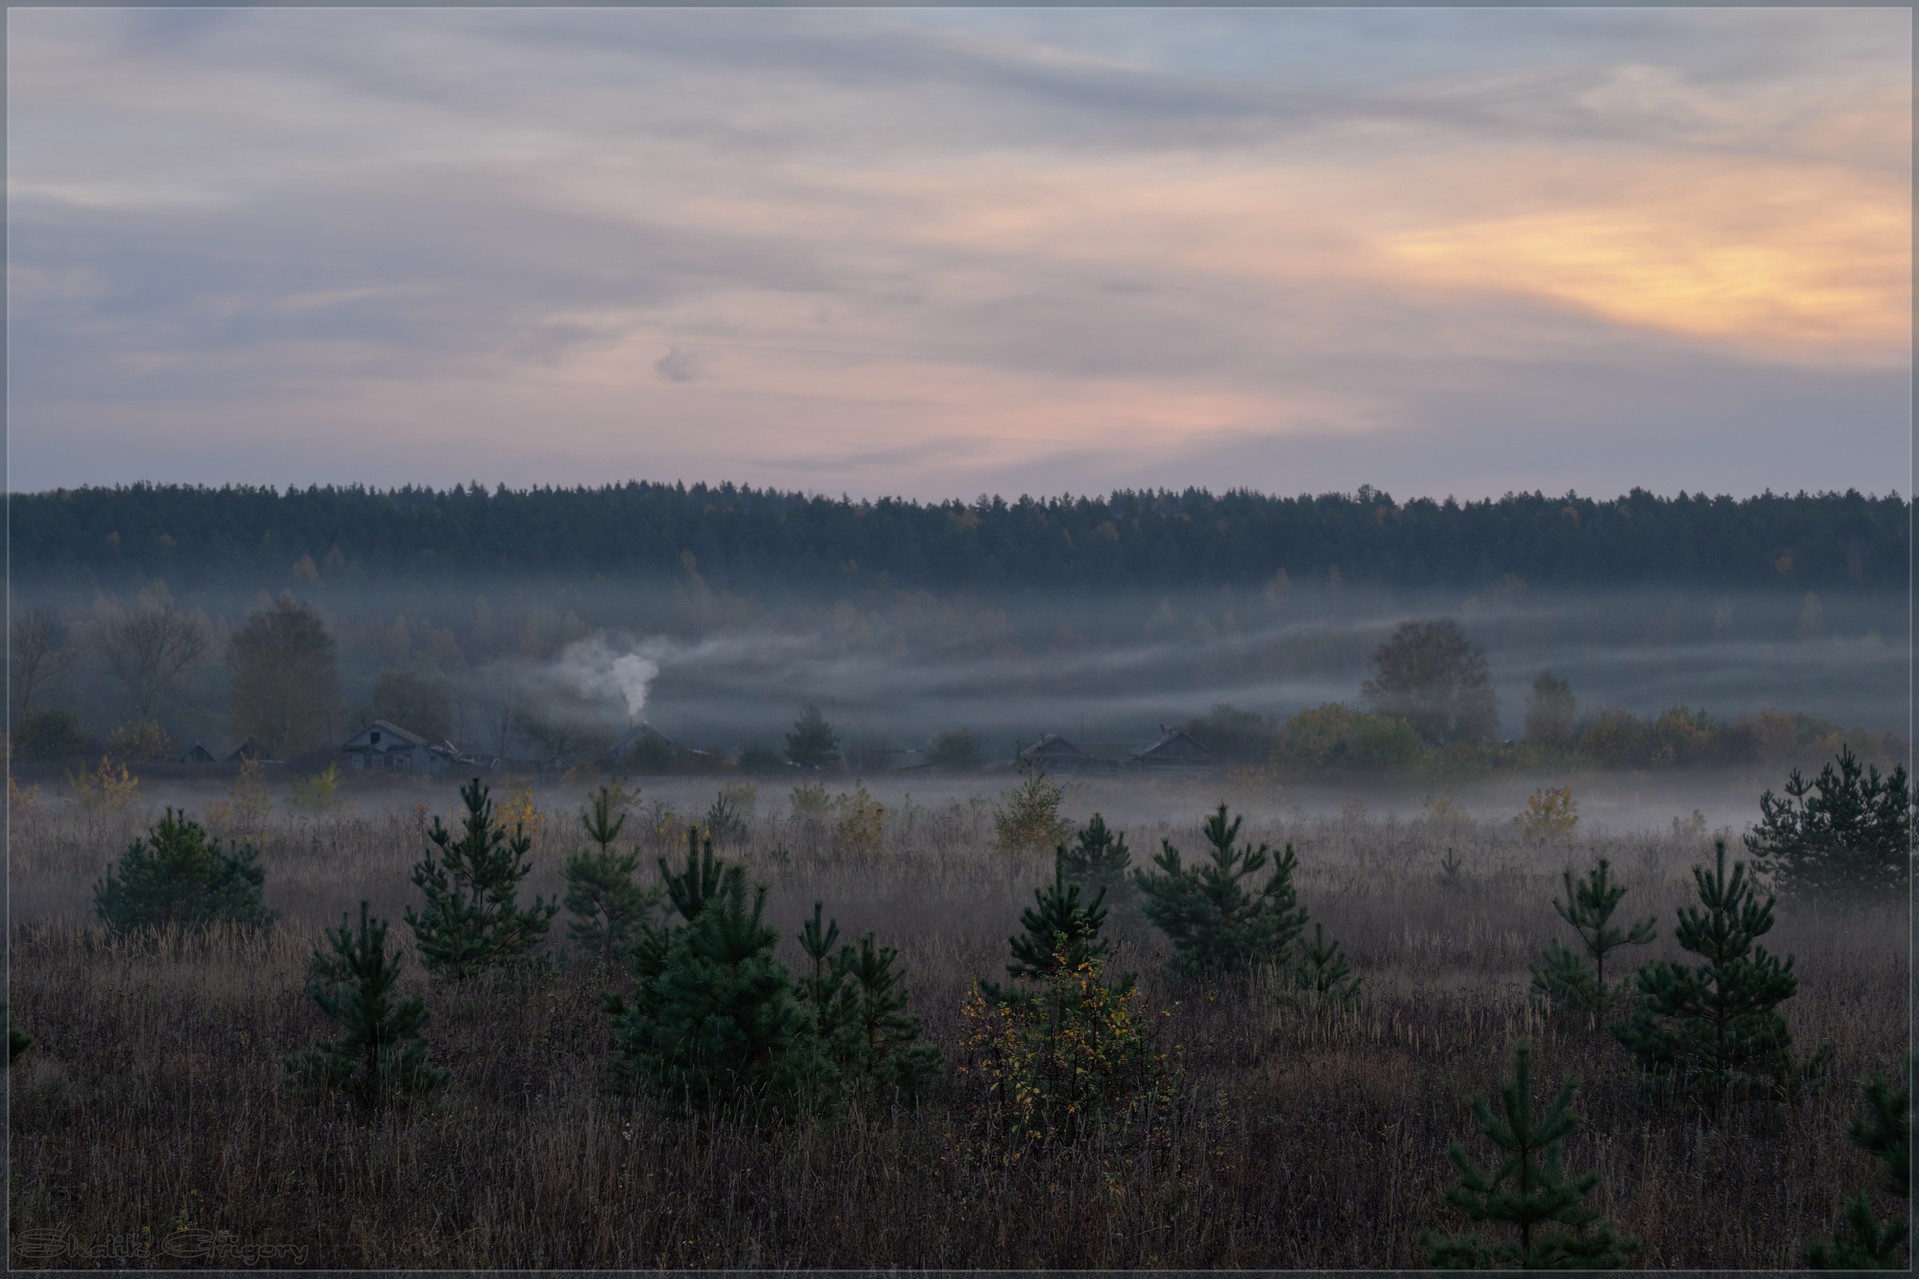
(195, 754)
(1053, 754)
(645, 748)
(388, 748)
(1174, 750)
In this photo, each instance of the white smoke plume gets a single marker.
(602, 672)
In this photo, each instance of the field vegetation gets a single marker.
(1217, 1121)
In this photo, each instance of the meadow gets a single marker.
(152, 1123)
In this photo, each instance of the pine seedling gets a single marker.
(1563, 976)
(719, 1023)
(1527, 1190)
(1060, 933)
(823, 988)
(1449, 868)
(1321, 977)
(608, 906)
(179, 876)
(1098, 857)
(1715, 1025)
(383, 1053)
(893, 1059)
(472, 920)
(1883, 1130)
(1217, 925)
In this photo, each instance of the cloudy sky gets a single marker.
(943, 252)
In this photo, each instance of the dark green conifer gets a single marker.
(1846, 832)
(718, 1022)
(383, 1053)
(1715, 1026)
(1883, 1130)
(1526, 1190)
(1449, 868)
(858, 1004)
(1562, 975)
(180, 876)
(473, 920)
(1321, 978)
(608, 905)
(1061, 934)
(1098, 858)
(1216, 924)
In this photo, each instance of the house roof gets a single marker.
(1051, 744)
(1165, 740)
(410, 738)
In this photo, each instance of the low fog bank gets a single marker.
(895, 669)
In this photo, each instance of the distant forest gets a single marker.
(742, 538)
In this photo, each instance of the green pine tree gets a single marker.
(858, 1004)
(716, 1019)
(1715, 1026)
(473, 920)
(1527, 1189)
(179, 876)
(1883, 1130)
(1060, 935)
(1216, 924)
(1320, 977)
(1563, 976)
(608, 906)
(1846, 832)
(1098, 858)
(383, 1054)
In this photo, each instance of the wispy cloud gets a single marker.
(931, 251)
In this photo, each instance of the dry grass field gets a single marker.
(151, 1122)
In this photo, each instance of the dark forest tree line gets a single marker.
(741, 537)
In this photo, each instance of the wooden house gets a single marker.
(387, 748)
(1053, 754)
(1173, 751)
(196, 754)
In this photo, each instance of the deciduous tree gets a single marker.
(282, 666)
(1430, 675)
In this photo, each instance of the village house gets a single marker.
(385, 747)
(1173, 751)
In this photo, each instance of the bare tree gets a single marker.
(148, 650)
(37, 655)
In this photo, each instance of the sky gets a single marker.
(943, 252)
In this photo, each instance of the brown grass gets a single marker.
(153, 1107)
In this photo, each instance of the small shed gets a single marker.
(1174, 750)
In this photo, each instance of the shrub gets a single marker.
(383, 1054)
(49, 733)
(859, 820)
(1616, 738)
(139, 740)
(318, 793)
(179, 876)
(1216, 924)
(472, 920)
(1846, 832)
(1074, 1061)
(1028, 819)
(1549, 814)
(109, 786)
(956, 751)
(760, 760)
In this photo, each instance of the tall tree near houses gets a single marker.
(38, 656)
(283, 675)
(1430, 675)
(812, 743)
(1550, 711)
(148, 650)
